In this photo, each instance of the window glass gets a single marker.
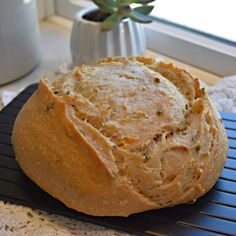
(214, 17)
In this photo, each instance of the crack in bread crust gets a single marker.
(117, 111)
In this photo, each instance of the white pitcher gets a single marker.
(19, 39)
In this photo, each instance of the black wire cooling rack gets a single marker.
(213, 214)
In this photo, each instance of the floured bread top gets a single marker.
(163, 120)
(128, 103)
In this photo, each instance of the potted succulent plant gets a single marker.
(113, 28)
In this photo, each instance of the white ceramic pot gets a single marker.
(89, 43)
(19, 39)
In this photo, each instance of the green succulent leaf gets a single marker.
(110, 22)
(113, 3)
(143, 1)
(107, 9)
(104, 7)
(145, 10)
(139, 17)
(126, 2)
(124, 11)
(119, 9)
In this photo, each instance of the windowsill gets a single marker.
(207, 77)
(184, 45)
(55, 45)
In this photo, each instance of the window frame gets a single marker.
(214, 56)
(46, 8)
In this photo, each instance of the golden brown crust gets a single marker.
(123, 136)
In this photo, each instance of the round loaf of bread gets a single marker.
(122, 136)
